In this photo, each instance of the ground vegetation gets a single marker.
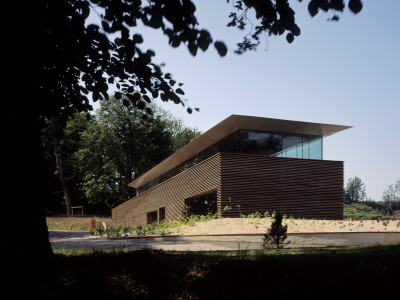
(362, 271)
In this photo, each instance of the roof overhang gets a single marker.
(225, 128)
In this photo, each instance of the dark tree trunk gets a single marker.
(60, 168)
(31, 255)
(25, 189)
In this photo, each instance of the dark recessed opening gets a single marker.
(161, 213)
(152, 217)
(201, 205)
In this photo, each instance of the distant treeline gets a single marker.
(386, 208)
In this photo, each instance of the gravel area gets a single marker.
(245, 225)
(260, 226)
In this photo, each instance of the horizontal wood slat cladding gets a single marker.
(245, 184)
(302, 188)
(171, 194)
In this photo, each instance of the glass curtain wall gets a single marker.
(309, 148)
(254, 142)
(260, 143)
(280, 144)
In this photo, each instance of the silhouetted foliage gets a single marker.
(276, 17)
(276, 234)
(71, 61)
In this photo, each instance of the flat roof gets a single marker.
(225, 128)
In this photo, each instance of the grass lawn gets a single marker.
(363, 211)
(325, 273)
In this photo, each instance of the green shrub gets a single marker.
(162, 228)
(276, 234)
(98, 231)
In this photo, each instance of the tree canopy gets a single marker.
(354, 191)
(391, 197)
(69, 61)
(119, 147)
(91, 162)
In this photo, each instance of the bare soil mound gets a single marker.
(73, 223)
(244, 225)
(260, 226)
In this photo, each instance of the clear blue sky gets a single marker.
(345, 72)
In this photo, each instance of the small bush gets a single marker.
(98, 231)
(276, 234)
(162, 228)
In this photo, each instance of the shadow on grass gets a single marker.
(331, 273)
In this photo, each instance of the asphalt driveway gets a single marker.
(83, 240)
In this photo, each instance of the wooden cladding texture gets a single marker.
(171, 194)
(299, 187)
(245, 184)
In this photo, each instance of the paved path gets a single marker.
(83, 240)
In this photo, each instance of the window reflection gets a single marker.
(289, 141)
(255, 142)
(315, 149)
(249, 141)
(270, 143)
(305, 147)
(234, 142)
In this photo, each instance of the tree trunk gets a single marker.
(31, 255)
(30, 250)
(60, 168)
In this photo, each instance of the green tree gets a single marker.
(94, 160)
(391, 198)
(181, 134)
(354, 191)
(59, 142)
(119, 145)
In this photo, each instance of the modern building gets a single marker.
(240, 166)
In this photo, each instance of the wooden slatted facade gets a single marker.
(303, 188)
(171, 194)
(245, 184)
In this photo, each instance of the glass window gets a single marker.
(233, 142)
(270, 143)
(292, 144)
(255, 142)
(305, 150)
(249, 141)
(299, 150)
(289, 141)
(307, 139)
(291, 152)
(315, 149)
(223, 144)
